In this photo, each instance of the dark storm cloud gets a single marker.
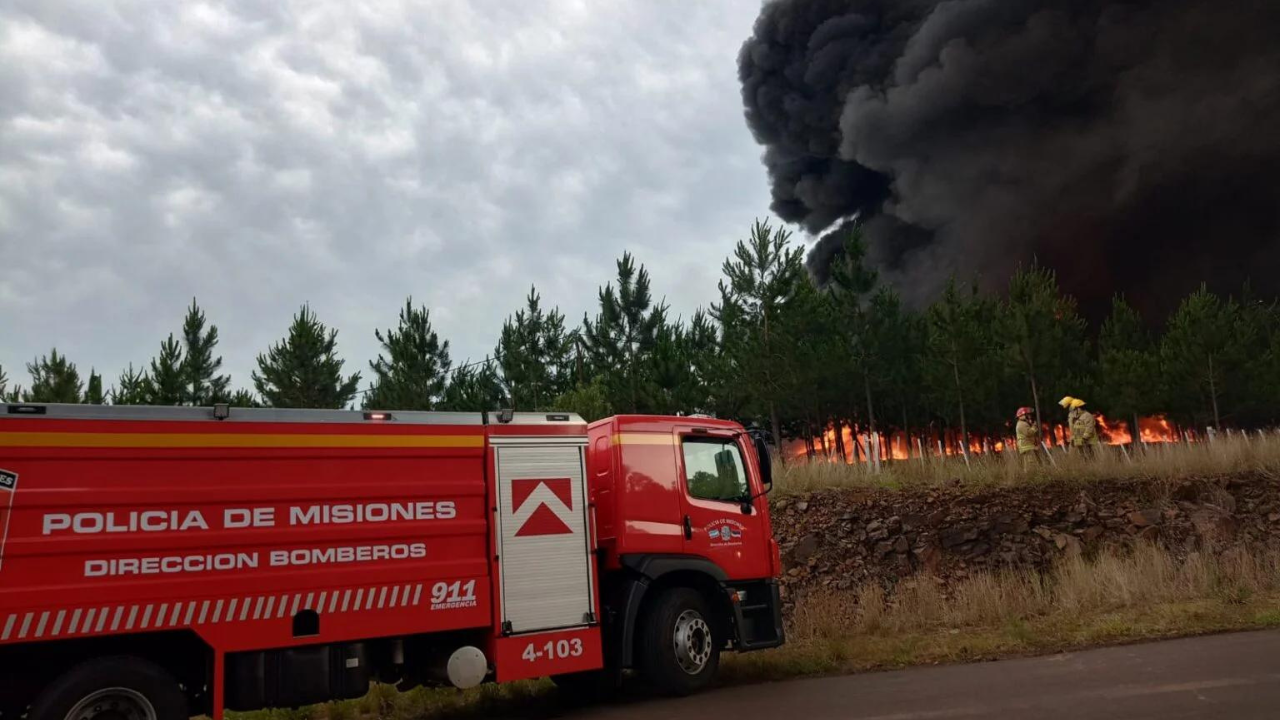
(1132, 146)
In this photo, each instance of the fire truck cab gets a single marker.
(157, 563)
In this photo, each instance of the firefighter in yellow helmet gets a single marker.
(1084, 427)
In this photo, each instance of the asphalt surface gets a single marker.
(1223, 676)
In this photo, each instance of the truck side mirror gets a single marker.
(766, 462)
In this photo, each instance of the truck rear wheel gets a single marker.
(678, 650)
(112, 688)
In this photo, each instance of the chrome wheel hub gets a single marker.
(113, 704)
(692, 640)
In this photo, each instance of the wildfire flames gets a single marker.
(858, 444)
(1151, 429)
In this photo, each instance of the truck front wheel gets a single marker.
(678, 650)
(112, 688)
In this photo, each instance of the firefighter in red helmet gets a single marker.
(1028, 433)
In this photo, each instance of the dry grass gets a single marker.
(1118, 596)
(1141, 594)
(1171, 461)
(384, 702)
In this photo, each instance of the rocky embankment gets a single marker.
(843, 539)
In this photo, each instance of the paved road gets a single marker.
(1235, 677)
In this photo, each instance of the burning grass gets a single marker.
(1170, 461)
(1116, 597)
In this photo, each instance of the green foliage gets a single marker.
(474, 388)
(684, 367)
(203, 384)
(1043, 336)
(963, 370)
(774, 349)
(1129, 377)
(758, 309)
(168, 381)
(1204, 351)
(415, 370)
(304, 370)
(134, 387)
(535, 354)
(621, 339)
(590, 400)
(54, 379)
(244, 399)
(93, 394)
(863, 327)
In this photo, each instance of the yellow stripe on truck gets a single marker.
(233, 440)
(643, 439)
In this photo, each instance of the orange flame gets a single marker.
(900, 446)
(1155, 429)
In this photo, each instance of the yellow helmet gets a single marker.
(1066, 401)
(1076, 403)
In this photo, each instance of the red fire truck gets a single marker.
(157, 563)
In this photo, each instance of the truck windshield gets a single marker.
(714, 469)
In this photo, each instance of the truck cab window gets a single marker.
(714, 469)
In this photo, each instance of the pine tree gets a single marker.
(9, 394)
(535, 355)
(851, 285)
(762, 279)
(1043, 335)
(901, 337)
(243, 399)
(1254, 390)
(621, 339)
(1203, 348)
(134, 387)
(670, 370)
(1129, 376)
(703, 384)
(474, 388)
(415, 371)
(963, 369)
(93, 394)
(304, 370)
(168, 380)
(54, 379)
(203, 386)
(589, 399)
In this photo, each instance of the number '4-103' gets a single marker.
(553, 649)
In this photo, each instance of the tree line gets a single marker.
(776, 349)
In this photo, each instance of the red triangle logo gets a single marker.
(543, 522)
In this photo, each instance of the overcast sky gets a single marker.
(259, 155)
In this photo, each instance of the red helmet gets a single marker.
(1025, 411)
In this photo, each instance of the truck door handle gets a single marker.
(688, 528)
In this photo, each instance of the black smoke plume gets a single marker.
(1132, 146)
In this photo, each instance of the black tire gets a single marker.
(133, 689)
(678, 652)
